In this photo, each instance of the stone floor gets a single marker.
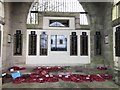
(0, 83)
(62, 84)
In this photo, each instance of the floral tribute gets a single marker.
(43, 75)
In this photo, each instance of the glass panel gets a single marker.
(117, 11)
(43, 43)
(83, 19)
(58, 43)
(32, 43)
(33, 14)
(114, 13)
(43, 6)
(59, 23)
(84, 44)
(18, 43)
(61, 41)
(73, 44)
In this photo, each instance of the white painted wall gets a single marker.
(116, 59)
(58, 57)
(1, 29)
(1, 9)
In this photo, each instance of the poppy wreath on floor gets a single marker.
(101, 68)
(66, 77)
(6, 78)
(86, 78)
(35, 75)
(31, 80)
(55, 78)
(76, 78)
(49, 68)
(43, 72)
(19, 80)
(56, 68)
(52, 79)
(39, 68)
(42, 75)
(41, 80)
(16, 68)
(106, 76)
(97, 78)
(60, 76)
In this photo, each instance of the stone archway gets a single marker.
(38, 57)
(17, 14)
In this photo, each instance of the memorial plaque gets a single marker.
(73, 44)
(84, 44)
(97, 38)
(18, 43)
(32, 43)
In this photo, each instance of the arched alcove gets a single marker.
(68, 18)
(18, 16)
(45, 6)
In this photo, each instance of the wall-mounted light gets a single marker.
(9, 38)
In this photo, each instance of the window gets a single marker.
(18, 43)
(83, 18)
(43, 43)
(40, 7)
(32, 18)
(115, 10)
(58, 43)
(59, 23)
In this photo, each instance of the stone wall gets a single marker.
(108, 30)
(19, 18)
(96, 18)
(99, 18)
(6, 29)
(15, 18)
(55, 14)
